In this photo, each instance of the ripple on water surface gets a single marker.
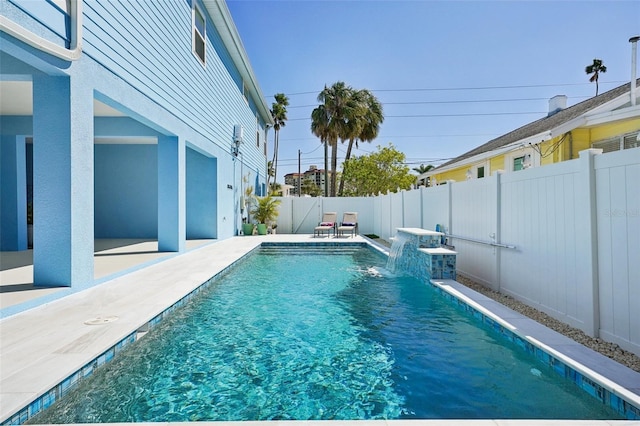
(320, 337)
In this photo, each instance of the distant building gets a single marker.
(314, 174)
(609, 121)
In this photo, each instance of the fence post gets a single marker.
(587, 240)
(498, 228)
(421, 189)
(403, 209)
(449, 229)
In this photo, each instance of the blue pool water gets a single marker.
(291, 334)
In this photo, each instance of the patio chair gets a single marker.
(327, 225)
(349, 224)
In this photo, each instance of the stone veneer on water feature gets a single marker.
(418, 252)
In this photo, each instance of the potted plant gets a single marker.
(265, 211)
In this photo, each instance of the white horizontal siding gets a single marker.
(148, 44)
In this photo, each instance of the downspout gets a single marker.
(266, 158)
(634, 54)
(44, 45)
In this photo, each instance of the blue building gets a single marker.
(123, 119)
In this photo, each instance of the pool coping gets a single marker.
(77, 364)
(603, 378)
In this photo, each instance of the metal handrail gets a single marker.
(473, 240)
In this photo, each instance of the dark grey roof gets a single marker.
(543, 124)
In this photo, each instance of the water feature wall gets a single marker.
(417, 252)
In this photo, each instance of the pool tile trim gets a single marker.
(602, 389)
(66, 385)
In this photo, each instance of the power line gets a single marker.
(478, 114)
(463, 101)
(403, 136)
(434, 89)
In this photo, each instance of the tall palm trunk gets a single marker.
(279, 114)
(334, 166)
(274, 163)
(346, 158)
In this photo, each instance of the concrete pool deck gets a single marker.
(42, 346)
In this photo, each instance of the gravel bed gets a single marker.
(607, 349)
(610, 350)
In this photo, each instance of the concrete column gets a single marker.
(62, 181)
(13, 196)
(171, 193)
(587, 242)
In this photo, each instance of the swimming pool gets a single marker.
(322, 335)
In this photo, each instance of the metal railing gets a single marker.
(473, 240)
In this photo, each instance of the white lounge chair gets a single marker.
(349, 224)
(327, 225)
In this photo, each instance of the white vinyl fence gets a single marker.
(563, 238)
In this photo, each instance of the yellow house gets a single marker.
(610, 121)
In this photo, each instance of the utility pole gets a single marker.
(326, 166)
(299, 183)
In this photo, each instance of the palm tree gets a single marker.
(364, 123)
(596, 68)
(279, 114)
(275, 189)
(423, 169)
(271, 173)
(320, 128)
(339, 107)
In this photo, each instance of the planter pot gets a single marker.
(262, 229)
(273, 231)
(247, 228)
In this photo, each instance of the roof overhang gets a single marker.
(221, 17)
(617, 109)
(610, 116)
(483, 156)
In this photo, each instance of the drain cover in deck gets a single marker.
(101, 320)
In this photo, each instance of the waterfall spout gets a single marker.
(417, 252)
(395, 253)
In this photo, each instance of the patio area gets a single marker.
(112, 257)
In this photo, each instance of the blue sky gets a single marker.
(451, 75)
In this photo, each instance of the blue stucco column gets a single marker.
(62, 181)
(171, 193)
(13, 195)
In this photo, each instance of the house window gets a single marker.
(199, 33)
(631, 141)
(245, 92)
(480, 172)
(618, 143)
(258, 139)
(518, 163)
